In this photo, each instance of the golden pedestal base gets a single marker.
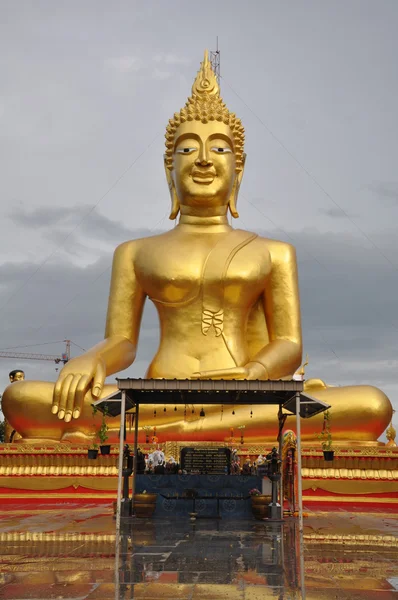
(35, 472)
(360, 475)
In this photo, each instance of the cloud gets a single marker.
(124, 64)
(171, 59)
(46, 216)
(60, 221)
(161, 75)
(385, 189)
(162, 71)
(336, 213)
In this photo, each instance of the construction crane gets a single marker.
(65, 356)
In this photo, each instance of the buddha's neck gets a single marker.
(204, 219)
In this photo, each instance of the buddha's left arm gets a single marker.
(282, 355)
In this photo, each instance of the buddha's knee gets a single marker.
(11, 401)
(374, 405)
(27, 402)
(368, 412)
(362, 412)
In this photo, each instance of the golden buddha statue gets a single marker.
(227, 300)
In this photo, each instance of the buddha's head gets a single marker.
(16, 375)
(204, 157)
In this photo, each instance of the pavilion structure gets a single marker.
(286, 395)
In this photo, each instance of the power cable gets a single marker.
(309, 174)
(309, 254)
(327, 344)
(77, 346)
(288, 236)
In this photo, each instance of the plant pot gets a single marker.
(260, 505)
(328, 455)
(144, 505)
(105, 449)
(92, 454)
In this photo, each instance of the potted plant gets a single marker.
(259, 503)
(326, 437)
(101, 436)
(92, 452)
(103, 433)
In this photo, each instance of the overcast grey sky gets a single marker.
(86, 91)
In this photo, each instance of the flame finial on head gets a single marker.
(205, 105)
(205, 82)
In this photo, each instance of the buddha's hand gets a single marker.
(253, 370)
(76, 378)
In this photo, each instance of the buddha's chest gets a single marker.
(180, 270)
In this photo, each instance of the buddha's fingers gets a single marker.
(99, 379)
(70, 399)
(56, 395)
(79, 396)
(64, 395)
(235, 373)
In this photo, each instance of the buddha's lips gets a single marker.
(201, 177)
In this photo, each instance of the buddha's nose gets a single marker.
(203, 158)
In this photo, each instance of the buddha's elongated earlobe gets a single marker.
(233, 200)
(175, 205)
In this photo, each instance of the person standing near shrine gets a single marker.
(10, 435)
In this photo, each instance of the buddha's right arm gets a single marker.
(117, 351)
(125, 307)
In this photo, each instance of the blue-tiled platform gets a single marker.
(233, 489)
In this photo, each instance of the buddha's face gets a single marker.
(18, 376)
(203, 164)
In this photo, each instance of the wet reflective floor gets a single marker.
(69, 552)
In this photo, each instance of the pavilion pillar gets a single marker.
(121, 452)
(299, 480)
(137, 410)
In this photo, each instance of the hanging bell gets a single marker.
(202, 413)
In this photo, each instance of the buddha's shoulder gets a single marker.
(131, 247)
(278, 250)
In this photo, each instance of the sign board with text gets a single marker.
(206, 461)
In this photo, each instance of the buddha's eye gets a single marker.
(219, 150)
(188, 150)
